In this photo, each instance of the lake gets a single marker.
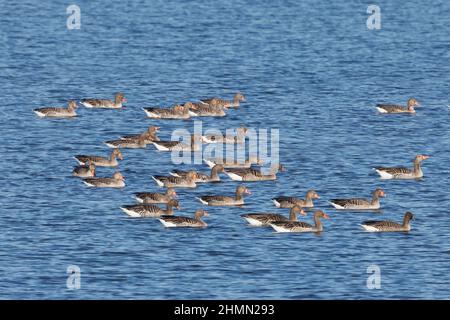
(313, 70)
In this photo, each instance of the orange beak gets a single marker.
(325, 216)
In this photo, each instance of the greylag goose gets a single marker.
(185, 222)
(84, 171)
(132, 143)
(177, 112)
(234, 163)
(358, 203)
(54, 112)
(154, 197)
(179, 182)
(117, 181)
(402, 172)
(101, 161)
(226, 200)
(179, 145)
(392, 108)
(205, 110)
(149, 135)
(299, 226)
(250, 174)
(119, 98)
(150, 210)
(289, 202)
(202, 177)
(217, 102)
(265, 219)
(239, 138)
(389, 226)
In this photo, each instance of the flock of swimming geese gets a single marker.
(239, 171)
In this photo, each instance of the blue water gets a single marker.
(311, 69)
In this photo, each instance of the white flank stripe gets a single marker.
(160, 183)
(234, 176)
(201, 200)
(130, 212)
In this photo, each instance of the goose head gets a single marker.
(421, 157)
(118, 176)
(201, 213)
(72, 105)
(312, 194)
(171, 192)
(119, 98)
(117, 153)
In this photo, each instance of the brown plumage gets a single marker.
(402, 172)
(185, 222)
(217, 102)
(132, 143)
(289, 202)
(220, 200)
(194, 145)
(359, 203)
(149, 135)
(177, 112)
(204, 110)
(84, 171)
(299, 226)
(101, 161)
(117, 181)
(105, 103)
(150, 210)
(265, 219)
(251, 174)
(180, 182)
(202, 177)
(154, 197)
(389, 226)
(55, 112)
(393, 108)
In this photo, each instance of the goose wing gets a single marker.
(149, 196)
(216, 198)
(144, 210)
(396, 170)
(84, 158)
(387, 224)
(180, 221)
(99, 181)
(391, 107)
(97, 102)
(168, 144)
(292, 200)
(265, 218)
(350, 202)
(293, 224)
